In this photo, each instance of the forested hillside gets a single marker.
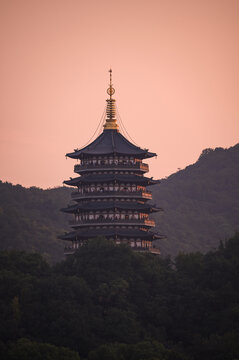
(201, 203)
(30, 219)
(201, 207)
(107, 302)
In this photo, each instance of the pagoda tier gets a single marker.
(138, 240)
(103, 164)
(111, 191)
(96, 213)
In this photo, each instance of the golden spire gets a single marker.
(110, 123)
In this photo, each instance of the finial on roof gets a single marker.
(110, 90)
(110, 123)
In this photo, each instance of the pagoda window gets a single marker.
(136, 216)
(133, 187)
(122, 215)
(91, 216)
(111, 187)
(111, 215)
(132, 244)
(117, 242)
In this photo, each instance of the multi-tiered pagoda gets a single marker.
(111, 196)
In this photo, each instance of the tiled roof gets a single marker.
(111, 142)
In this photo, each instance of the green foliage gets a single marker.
(108, 302)
(147, 350)
(24, 349)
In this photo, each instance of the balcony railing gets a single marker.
(101, 194)
(124, 166)
(96, 222)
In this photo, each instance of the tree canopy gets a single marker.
(108, 302)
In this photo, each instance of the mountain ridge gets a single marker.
(201, 202)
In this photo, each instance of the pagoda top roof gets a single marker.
(101, 178)
(123, 205)
(93, 233)
(111, 142)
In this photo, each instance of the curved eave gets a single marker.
(93, 233)
(140, 155)
(110, 206)
(109, 178)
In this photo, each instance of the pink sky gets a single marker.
(175, 70)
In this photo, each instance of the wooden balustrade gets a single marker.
(122, 193)
(136, 166)
(109, 221)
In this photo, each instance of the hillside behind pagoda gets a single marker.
(30, 219)
(201, 207)
(200, 202)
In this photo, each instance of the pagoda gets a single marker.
(111, 196)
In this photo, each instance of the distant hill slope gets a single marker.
(201, 203)
(201, 207)
(30, 219)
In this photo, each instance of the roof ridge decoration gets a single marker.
(111, 121)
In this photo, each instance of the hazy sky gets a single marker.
(175, 70)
